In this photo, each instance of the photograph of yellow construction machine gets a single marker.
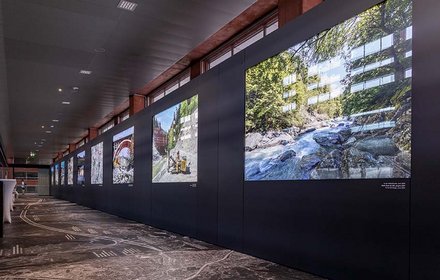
(175, 143)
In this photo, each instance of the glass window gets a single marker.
(371, 66)
(312, 86)
(357, 53)
(408, 33)
(289, 79)
(387, 79)
(32, 175)
(172, 87)
(335, 92)
(184, 79)
(357, 71)
(220, 59)
(372, 83)
(357, 87)
(252, 34)
(125, 115)
(372, 47)
(81, 143)
(312, 100)
(271, 27)
(291, 93)
(408, 73)
(289, 107)
(19, 175)
(323, 97)
(106, 127)
(387, 41)
(158, 95)
(248, 41)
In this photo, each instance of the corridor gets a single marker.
(55, 239)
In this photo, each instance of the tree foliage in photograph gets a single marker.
(264, 82)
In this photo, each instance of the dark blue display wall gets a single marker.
(341, 229)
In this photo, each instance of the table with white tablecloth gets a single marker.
(8, 198)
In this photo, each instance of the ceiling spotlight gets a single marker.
(99, 50)
(60, 90)
(127, 5)
(75, 88)
(85, 72)
(55, 120)
(52, 126)
(48, 131)
(65, 102)
(35, 143)
(42, 126)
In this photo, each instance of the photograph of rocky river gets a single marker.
(337, 106)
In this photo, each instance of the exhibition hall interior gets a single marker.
(219, 139)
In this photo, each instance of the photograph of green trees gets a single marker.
(337, 106)
(175, 134)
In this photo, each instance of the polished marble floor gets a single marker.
(55, 239)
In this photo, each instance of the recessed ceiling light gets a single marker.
(99, 50)
(60, 90)
(35, 143)
(85, 72)
(127, 5)
(42, 126)
(75, 88)
(48, 131)
(55, 120)
(65, 102)
(52, 126)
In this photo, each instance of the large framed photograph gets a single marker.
(52, 175)
(97, 168)
(175, 134)
(336, 106)
(62, 173)
(56, 175)
(70, 172)
(123, 157)
(80, 163)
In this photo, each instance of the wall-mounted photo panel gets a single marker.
(123, 157)
(57, 174)
(81, 159)
(63, 173)
(97, 169)
(337, 106)
(52, 175)
(70, 172)
(175, 134)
